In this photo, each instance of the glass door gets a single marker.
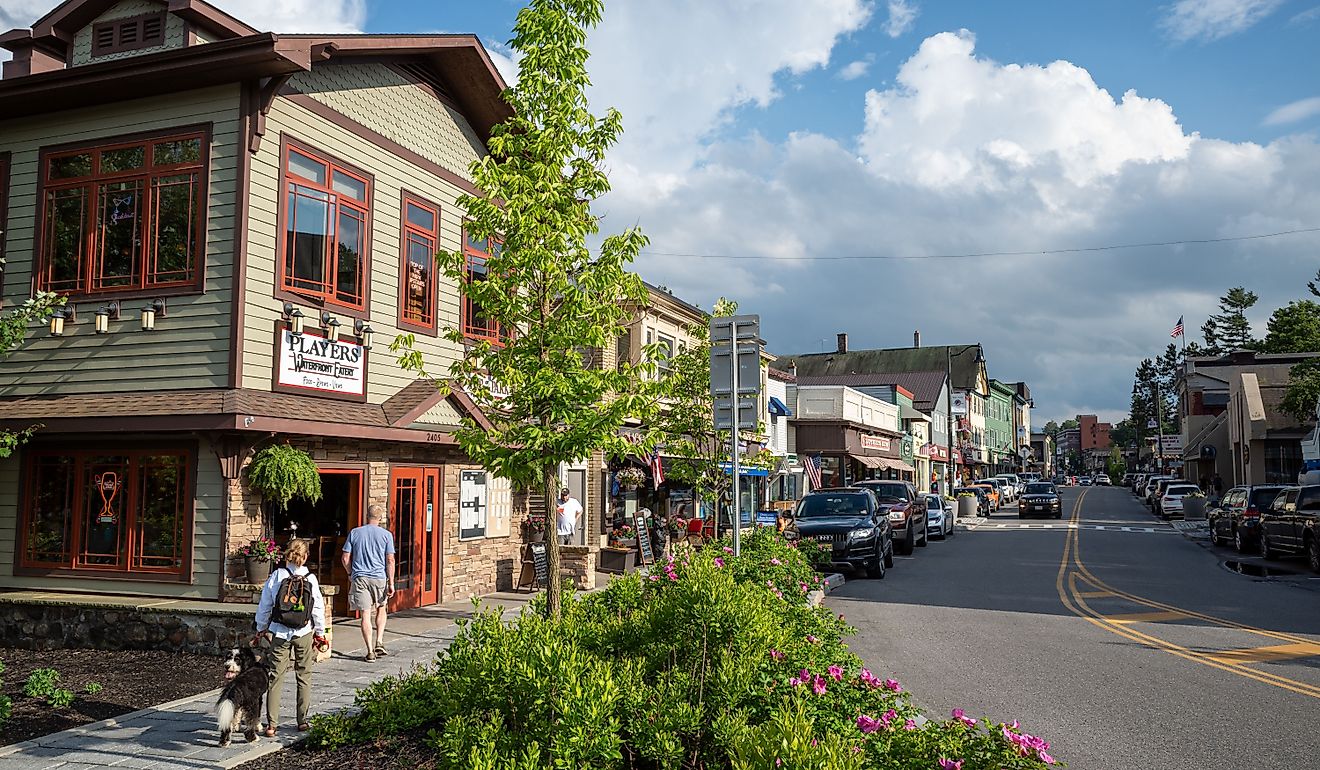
(429, 531)
(406, 509)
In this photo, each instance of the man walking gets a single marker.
(369, 560)
(566, 516)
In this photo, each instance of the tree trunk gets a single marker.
(550, 482)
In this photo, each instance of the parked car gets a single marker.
(1102, 480)
(1152, 483)
(1139, 483)
(1171, 501)
(1085, 481)
(1236, 519)
(1292, 525)
(1014, 481)
(1003, 487)
(1158, 493)
(849, 519)
(1041, 498)
(940, 516)
(1029, 476)
(992, 492)
(984, 506)
(900, 502)
(1127, 479)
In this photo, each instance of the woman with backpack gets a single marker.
(292, 616)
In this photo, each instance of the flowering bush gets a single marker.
(534, 524)
(631, 477)
(713, 661)
(263, 548)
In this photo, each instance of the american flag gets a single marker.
(657, 469)
(1177, 329)
(812, 466)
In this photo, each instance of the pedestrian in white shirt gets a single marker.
(566, 517)
(292, 594)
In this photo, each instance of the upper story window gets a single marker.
(421, 240)
(4, 201)
(476, 323)
(326, 225)
(668, 347)
(128, 34)
(124, 215)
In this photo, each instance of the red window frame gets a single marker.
(93, 190)
(293, 186)
(414, 234)
(89, 494)
(475, 256)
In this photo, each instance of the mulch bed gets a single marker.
(405, 751)
(130, 680)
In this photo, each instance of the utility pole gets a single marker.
(1159, 425)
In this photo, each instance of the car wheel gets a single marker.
(1313, 554)
(944, 529)
(1059, 515)
(889, 555)
(909, 540)
(1266, 550)
(1214, 536)
(878, 571)
(925, 535)
(1239, 542)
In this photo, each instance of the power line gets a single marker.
(1042, 252)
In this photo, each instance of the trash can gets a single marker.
(967, 507)
(1193, 508)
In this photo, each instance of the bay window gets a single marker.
(477, 325)
(115, 511)
(326, 229)
(124, 216)
(421, 240)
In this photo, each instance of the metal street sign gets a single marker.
(735, 385)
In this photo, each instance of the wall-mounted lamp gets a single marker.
(331, 325)
(295, 318)
(60, 317)
(363, 332)
(155, 309)
(107, 313)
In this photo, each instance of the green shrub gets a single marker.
(6, 706)
(93, 688)
(60, 698)
(713, 661)
(41, 683)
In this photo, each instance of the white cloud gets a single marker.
(505, 59)
(854, 70)
(1214, 19)
(1306, 17)
(902, 17)
(21, 13)
(1293, 112)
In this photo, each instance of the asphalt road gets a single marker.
(1126, 649)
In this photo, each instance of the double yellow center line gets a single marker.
(1076, 584)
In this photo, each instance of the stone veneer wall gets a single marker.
(578, 563)
(468, 568)
(34, 626)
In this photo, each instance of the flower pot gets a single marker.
(258, 570)
(967, 507)
(536, 537)
(1193, 508)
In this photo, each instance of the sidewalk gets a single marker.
(182, 734)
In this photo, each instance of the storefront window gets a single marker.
(108, 511)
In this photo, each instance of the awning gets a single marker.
(908, 413)
(884, 463)
(779, 408)
(743, 470)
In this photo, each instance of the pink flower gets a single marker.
(889, 716)
(811, 639)
(868, 678)
(949, 764)
(1045, 757)
(655, 577)
(818, 685)
(909, 725)
(796, 681)
(775, 562)
(836, 673)
(960, 715)
(727, 549)
(719, 562)
(869, 724)
(776, 655)
(892, 684)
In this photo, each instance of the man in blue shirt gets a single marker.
(369, 560)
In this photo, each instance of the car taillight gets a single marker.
(1251, 512)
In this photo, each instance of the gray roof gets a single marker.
(891, 361)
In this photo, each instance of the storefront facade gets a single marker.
(250, 242)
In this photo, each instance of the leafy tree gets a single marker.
(1303, 392)
(1168, 369)
(13, 330)
(1125, 433)
(1293, 328)
(1229, 329)
(1051, 428)
(548, 403)
(1070, 424)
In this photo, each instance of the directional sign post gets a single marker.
(735, 387)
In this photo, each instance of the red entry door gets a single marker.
(415, 521)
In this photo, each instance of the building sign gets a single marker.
(958, 403)
(310, 363)
(878, 443)
(1171, 446)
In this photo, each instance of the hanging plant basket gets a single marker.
(281, 473)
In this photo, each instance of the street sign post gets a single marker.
(735, 387)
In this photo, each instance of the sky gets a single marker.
(808, 158)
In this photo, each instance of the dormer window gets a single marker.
(129, 34)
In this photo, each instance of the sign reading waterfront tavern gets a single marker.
(309, 363)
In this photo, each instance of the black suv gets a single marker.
(904, 508)
(1236, 519)
(850, 520)
(1292, 525)
(1040, 497)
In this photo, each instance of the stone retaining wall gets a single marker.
(578, 563)
(65, 626)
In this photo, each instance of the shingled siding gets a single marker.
(207, 548)
(392, 175)
(389, 102)
(189, 348)
(176, 32)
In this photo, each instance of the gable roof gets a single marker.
(960, 358)
(925, 387)
(64, 21)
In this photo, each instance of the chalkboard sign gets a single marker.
(644, 541)
(539, 561)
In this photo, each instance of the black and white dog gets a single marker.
(243, 700)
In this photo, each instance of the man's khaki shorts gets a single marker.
(366, 594)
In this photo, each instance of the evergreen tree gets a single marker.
(1229, 329)
(1293, 328)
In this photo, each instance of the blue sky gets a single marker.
(789, 132)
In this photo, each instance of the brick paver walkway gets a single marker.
(183, 734)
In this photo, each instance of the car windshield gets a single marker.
(820, 506)
(934, 503)
(1181, 489)
(1040, 489)
(1261, 497)
(889, 493)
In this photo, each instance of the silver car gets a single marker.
(940, 516)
